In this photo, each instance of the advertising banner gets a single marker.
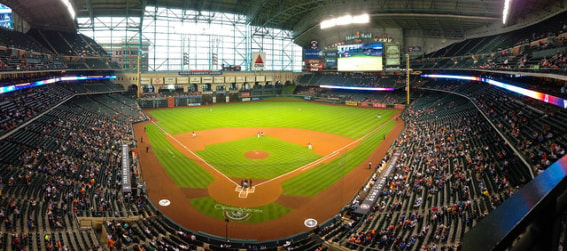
(250, 79)
(170, 81)
(258, 60)
(145, 81)
(230, 79)
(195, 80)
(313, 54)
(183, 80)
(314, 64)
(392, 55)
(207, 80)
(331, 59)
(218, 80)
(157, 81)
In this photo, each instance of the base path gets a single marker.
(321, 207)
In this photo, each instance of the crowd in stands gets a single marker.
(535, 128)
(453, 170)
(337, 96)
(65, 162)
(22, 105)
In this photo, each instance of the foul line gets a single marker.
(192, 153)
(302, 168)
(326, 157)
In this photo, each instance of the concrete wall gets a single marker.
(225, 79)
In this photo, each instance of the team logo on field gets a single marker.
(237, 213)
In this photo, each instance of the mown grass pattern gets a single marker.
(317, 179)
(206, 205)
(184, 171)
(228, 157)
(352, 122)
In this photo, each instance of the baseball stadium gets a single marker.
(283, 125)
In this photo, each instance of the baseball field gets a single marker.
(261, 165)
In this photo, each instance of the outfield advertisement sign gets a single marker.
(392, 55)
(314, 64)
(183, 80)
(195, 80)
(207, 80)
(250, 79)
(145, 81)
(258, 60)
(331, 59)
(218, 80)
(353, 103)
(313, 54)
(157, 81)
(170, 81)
(231, 79)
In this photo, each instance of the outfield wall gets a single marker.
(214, 98)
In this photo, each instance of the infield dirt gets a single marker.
(321, 207)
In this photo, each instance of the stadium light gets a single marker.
(328, 23)
(345, 20)
(506, 11)
(361, 19)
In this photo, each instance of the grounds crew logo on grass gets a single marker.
(237, 213)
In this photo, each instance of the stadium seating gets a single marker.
(452, 173)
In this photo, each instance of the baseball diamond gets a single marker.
(285, 186)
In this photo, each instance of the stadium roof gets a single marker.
(439, 18)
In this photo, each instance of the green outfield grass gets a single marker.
(211, 207)
(184, 171)
(228, 157)
(317, 179)
(352, 122)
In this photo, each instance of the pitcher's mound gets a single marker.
(256, 154)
